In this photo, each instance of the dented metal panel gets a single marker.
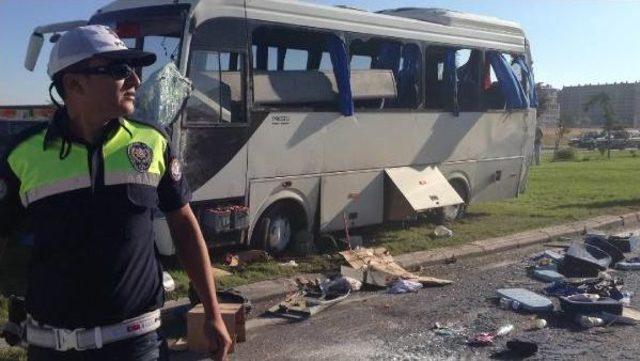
(424, 187)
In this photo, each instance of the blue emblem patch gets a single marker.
(140, 156)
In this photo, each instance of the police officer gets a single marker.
(88, 182)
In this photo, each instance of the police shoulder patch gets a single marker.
(176, 170)
(140, 156)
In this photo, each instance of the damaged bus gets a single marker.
(314, 118)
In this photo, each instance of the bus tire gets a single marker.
(276, 228)
(450, 214)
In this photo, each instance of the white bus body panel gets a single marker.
(265, 192)
(354, 197)
(230, 182)
(318, 143)
(424, 187)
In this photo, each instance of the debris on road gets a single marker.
(584, 260)
(632, 264)
(603, 244)
(589, 321)
(626, 244)
(487, 338)
(291, 263)
(303, 304)
(447, 331)
(538, 324)
(314, 296)
(482, 339)
(505, 330)
(404, 286)
(442, 231)
(529, 301)
(232, 260)
(589, 304)
(547, 275)
(522, 348)
(340, 285)
(629, 316)
(378, 268)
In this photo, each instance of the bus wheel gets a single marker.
(449, 214)
(276, 229)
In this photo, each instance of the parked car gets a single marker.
(634, 138)
(620, 139)
(585, 140)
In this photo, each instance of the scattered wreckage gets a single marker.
(372, 267)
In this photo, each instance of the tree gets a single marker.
(543, 100)
(604, 101)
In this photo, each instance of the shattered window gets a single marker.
(218, 72)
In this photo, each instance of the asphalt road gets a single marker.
(381, 326)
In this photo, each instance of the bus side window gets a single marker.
(217, 87)
(493, 90)
(434, 79)
(468, 65)
(440, 93)
(408, 79)
(400, 86)
(292, 68)
(217, 70)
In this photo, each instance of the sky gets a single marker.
(573, 41)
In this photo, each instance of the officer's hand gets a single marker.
(219, 339)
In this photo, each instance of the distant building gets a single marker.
(549, 112)
(625, 99)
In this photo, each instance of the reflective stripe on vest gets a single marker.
(118, 166)
(42, 173)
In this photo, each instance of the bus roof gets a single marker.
(431, 25)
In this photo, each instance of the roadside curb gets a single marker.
(271, 289)
(415, 260)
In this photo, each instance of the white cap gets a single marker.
(87, 41)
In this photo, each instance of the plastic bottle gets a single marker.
(539, 324)
(505, 330)
(590, 321)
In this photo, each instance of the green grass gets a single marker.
(557, 192)
(13, 354)
(258, 271)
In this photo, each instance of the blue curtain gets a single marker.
(262, 57)
(282, 51)
(509, 85)
(388, 57)
(450, 80)
(340, 63)
(533, 96)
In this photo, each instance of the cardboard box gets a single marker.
(233, 316)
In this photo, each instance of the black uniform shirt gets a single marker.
(94, 260)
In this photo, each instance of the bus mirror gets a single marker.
(37, 39)
(33, 50)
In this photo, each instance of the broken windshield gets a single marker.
(156, 29)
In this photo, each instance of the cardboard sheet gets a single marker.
(378, 268)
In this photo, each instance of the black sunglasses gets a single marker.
(117, 71)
